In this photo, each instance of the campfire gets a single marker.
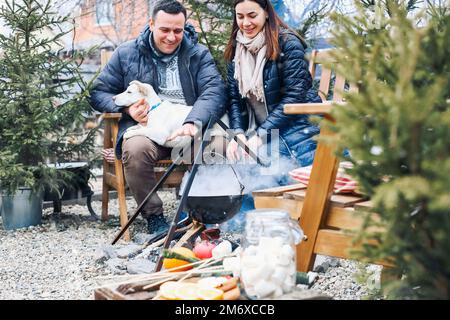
(200, 268)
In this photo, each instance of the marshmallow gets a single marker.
(264, 288)
(222, 249)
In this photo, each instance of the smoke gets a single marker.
(226, 179)
(212, 180)
(220, 177)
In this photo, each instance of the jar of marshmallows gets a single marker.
(268, 257)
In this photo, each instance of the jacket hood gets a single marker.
(190, 38)
(284, 31)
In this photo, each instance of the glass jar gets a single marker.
(268, 258)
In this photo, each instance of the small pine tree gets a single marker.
(214, 19)
(39, 111)
(397, 128)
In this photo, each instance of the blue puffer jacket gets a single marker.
(202, 84)
(286, 80)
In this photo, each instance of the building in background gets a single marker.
(108, 23)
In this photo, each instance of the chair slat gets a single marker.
(339, 87)
(324, 87)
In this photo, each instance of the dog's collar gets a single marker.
(155, 106)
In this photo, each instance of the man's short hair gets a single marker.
(169, 6)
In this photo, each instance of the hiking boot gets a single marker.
(157, 224)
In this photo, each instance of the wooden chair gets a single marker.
(113, 176)
(325, 218)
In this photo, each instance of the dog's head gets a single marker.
(136, 91)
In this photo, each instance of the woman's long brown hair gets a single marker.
(272, 31)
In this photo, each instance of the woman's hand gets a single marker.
(233, 153)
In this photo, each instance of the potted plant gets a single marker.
(43, 102)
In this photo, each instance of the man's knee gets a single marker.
(141, 149)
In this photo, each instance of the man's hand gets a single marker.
(233, 153)
(138, 111)
(188, 129)
(253, 144)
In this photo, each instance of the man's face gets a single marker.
(167, 31)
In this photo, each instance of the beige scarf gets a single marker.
(249, 61)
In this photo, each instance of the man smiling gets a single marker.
(167, 56)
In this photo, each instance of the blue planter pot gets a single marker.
(24, 209)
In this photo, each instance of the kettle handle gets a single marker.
(241, 185)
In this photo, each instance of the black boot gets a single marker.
(157, 224)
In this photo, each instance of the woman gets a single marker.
(266, 70)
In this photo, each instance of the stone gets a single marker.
(304, 294)
(142, 238)
(322, 268)
(334, 262)
(34, 262)
(104, 253)
(116, 266)
(139, 266)
(129, 251)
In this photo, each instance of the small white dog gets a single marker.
(164, 117)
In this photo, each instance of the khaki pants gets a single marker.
(139, 157)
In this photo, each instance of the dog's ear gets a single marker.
(146, 89)
(136, 82)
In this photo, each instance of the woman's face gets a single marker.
(250, 18)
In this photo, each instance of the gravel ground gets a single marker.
(60, 258)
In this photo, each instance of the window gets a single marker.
(104, 12)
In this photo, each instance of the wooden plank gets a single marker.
(353, 88)
(293, 207)
(337, 200)
(164, 163)
(349, 219)
(120, 182)
(278, 191)
(364, 206)
(308, 108)
(344, 201)
(112, 116)
(107, 142)
(173, 180)
(324, 85)
(333, 243)
(312, 63)
(320, 189)
(343, 218)
(338, 88)
(110, 180)
(325, 56)
(337, 217)
(298, 195)
(338, 244)
(195, 230)
(106, 293)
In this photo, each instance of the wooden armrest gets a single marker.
(311, 108)
(112, 115)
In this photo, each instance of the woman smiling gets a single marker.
(266, 70)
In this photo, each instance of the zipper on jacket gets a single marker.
(190, 74)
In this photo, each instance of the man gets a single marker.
(167, 56)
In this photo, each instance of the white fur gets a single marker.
(162, 121)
